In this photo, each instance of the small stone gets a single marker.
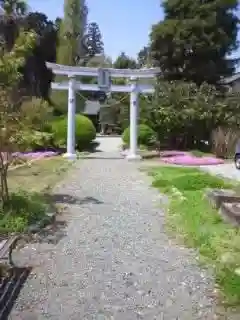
(169, 303)
(140, 292)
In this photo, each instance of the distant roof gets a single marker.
(92, 107)
(229, 80)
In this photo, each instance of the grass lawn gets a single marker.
(191, 218)
(28, 186)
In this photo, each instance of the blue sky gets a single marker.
(125, 24)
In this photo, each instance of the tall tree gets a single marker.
(195, 39)
(70, 47)
(94, 43)
(37, 78)
(125, 62)
(71, 32)
(144, 57)
(11, 15)
(13, 7)
(57, 23)
(83, 29)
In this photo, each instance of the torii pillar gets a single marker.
(71, 152)
(134, 106)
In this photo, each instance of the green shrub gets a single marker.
(22, 210)
(85, 132)
(183, 114)
(146, 135)
(34, 133)
(37, 113)
(33, 140)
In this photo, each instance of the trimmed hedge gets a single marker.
(146, 135)
(85, 132)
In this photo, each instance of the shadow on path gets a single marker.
(52, 233)
(56, 231)
(68, 199)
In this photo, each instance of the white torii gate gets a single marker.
(104, 84)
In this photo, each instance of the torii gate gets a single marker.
(104, 84)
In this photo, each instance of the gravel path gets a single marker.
(113, 259)
(226, 170)
(109, 144)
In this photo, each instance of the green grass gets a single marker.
(191, 217)
(23, 209)
(29, 188)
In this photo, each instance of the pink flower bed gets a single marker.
(36, 155)
(185, 158)
(173, 153)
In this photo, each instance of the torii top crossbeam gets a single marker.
(114, 73)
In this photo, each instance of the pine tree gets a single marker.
(94, 43)
(195, 39)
